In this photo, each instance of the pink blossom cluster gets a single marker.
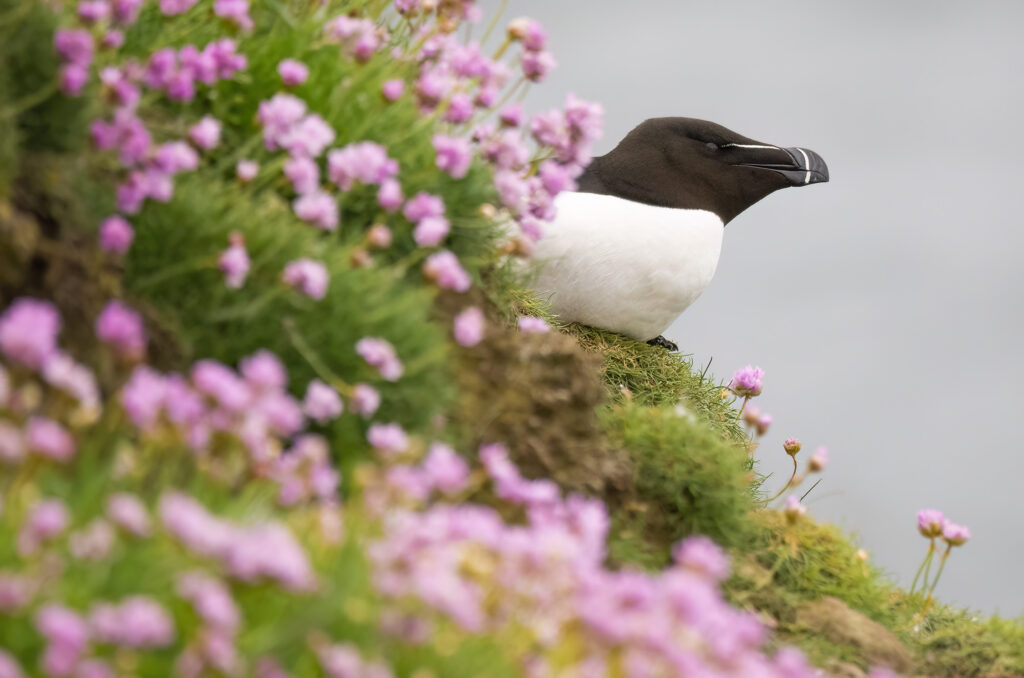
(931, 524)
(536, 61)
(359, 38)
(466, 564)
(264, 551)
(75, 48)
(28, 343)
(381, 354)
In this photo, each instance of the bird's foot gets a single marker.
(664, 343)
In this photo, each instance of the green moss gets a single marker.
(687, 479)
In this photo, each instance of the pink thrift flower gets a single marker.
(143, 397)
(460, 109)
(264, 371)
(278, 115)
(445, 270)
(236, 11)
(747, 381)
(469, 327)
(138, 622)
(62, 626)
(703, 556)
(304, 174)
(389, 439)
(246, 170)
(91, 11)
(318, 208)
(763, 422)
(116, 235)
(512, 116)
(365, 400)
(234, 262)
(380, 354)
(73, 78)
(211, 600)
(379, 236)
(206, 133)
(308, 138)
(423, 205)
(536, 65)
(818, 460)
(557, 177)
(930, 523)
(364, 161)
(322, 402)
(953, 534)
(390, 196)
(176, 156)
(292, 72)
(49, 440)
(62, 372)
(9, 667)
(529, 31)
(45, 521)
(113, 39)
(126, 12)
(28, 331)
(311, 277)
(358, 38)
(74, 47)
(12, 444)
(793, 509)
(93, 542)
(430, 231)
(454, 155)
(530, 324)
(121, 327)
(129, 513)
(445, 469)
(392, 89)
(173, 7)
(792, 446)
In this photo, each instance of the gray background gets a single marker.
(884, 306)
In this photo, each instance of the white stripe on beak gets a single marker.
(807, 163)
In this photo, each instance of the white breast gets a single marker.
(625, 266)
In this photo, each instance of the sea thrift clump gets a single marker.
(747, 381)
(380, 354)
(28, 331)
(121, 327)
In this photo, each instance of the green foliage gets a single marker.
(688, 480)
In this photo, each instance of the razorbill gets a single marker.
(639, 240)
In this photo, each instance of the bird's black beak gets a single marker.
(803, 167)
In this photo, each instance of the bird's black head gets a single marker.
(694, 164)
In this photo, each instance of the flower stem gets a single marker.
(942, 564)
(928, 568)
(927, 559)
(745, 400)
(788, 483)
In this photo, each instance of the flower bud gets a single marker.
(379, 236)
(818, 460)
(794, 510)
(750, 415)
(361, 258)
(791, 446)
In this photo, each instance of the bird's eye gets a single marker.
(711, 146)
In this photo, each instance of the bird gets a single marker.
(639, 239)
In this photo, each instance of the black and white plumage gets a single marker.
(640, 239)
